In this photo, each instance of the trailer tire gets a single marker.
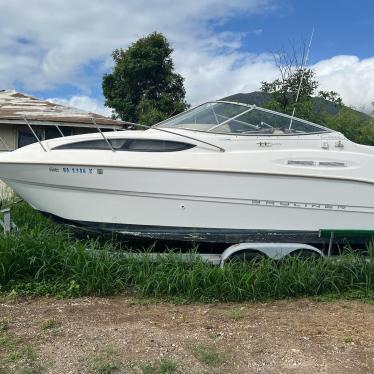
(246, 256)
(304, 254)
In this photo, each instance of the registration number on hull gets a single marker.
(76, 170)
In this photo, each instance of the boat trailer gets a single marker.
(238, 252)
(235, 252)
(6, 222)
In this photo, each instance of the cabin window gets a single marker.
(132, 145)
(240, 119)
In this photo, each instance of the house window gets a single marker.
(52, 132)
(26, 137)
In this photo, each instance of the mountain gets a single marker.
(262, 98)
(257, 98)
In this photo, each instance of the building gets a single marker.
(47, 120)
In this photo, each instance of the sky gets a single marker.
(60, 49)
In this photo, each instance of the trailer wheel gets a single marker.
(304, 254)
(246, 256)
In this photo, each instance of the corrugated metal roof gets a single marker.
(14, 106)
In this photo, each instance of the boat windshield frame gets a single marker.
(323, 130)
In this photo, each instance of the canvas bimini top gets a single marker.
(240, 119)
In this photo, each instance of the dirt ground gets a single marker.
(126, 335)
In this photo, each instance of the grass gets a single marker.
(161, 366)
(104, 362)
(50, 324)
(16, 356)
(208, 355)
(4, 325)
(43, 259)
(235, 314)
(9, 341)
(107, 362)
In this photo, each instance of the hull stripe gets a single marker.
(219, 171)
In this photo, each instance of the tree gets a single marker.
(286, 90)
(356, 126)
(293, 91)
(143, 86)
(332, 96)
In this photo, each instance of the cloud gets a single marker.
(213, 78)
(83, 102)
(52, 44)
(257, 31)
(349, 76)
(52, 41)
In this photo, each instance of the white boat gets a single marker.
(221, 172)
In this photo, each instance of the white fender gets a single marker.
(275, 251)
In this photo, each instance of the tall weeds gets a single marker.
(44, 259)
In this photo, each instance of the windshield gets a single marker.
(231, 118)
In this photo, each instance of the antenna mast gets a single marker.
(303, 64)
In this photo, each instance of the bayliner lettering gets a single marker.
(297, 204)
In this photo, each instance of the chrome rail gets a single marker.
(34, 133)
(110, 146)
(102, 134)
(59, 130)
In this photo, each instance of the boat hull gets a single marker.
(195, 234)
(195, 205)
